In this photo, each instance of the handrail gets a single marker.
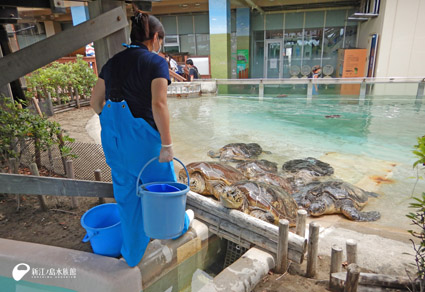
(320, 80)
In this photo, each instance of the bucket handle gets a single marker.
(87, 237)
(153, 159)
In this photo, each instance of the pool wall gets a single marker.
(99, 273)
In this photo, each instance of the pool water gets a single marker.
(10, 285)
(369, 142)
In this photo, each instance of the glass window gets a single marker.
(202, 24)
(314, 19)
(294, 20)
(332, 41)
(202, 44)
(29, 33)
(187, 44)
(350, 37)
(185, 24)
(312, 51)
(292, 51)
(257, 55)
(274, 34)
(274, 21)
(169, 23)
(335, 18)
(257, 22)
(171, 49)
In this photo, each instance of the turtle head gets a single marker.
(231, 197)
(213, 154)
(317, 208)
(197, 183)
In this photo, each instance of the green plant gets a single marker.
(57, 79)
(19, 127)
(418, 219)
(420, 151)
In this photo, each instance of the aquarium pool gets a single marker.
(368, 142)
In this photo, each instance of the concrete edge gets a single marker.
(92, 272)
(244, 274)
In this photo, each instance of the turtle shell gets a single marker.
(268, 197)
(274, 179)
(239, 151)
(312, 165)
(255, 167)
(212, 174)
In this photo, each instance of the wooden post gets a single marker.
(70, 174)
(301, 218)
(77, 98)
(352, 280)
(37, 107)
(14, 168)
(98, 177)
(62, 144)
(50, 103)
(351, 246)
(336, 263)
(282, 247)
(41, 199)
(313, 249)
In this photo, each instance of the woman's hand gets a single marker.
(166, 154)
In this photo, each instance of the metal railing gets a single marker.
(363, 81)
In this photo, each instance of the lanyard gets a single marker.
(130, 46)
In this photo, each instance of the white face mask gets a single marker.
(159, 48)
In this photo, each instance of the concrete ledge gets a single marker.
(162, 256)
(244, 274)
(93, 272)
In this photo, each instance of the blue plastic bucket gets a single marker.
(163, 206)
(103, 226)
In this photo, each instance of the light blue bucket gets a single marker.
(163, 206)
(103, 226)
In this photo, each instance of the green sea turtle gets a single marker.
(274, 179)
(267, 202)
(237, 152)
(312, 165)
(207, 177)
(334, 197)
(254, 167)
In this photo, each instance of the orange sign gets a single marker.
(353, 66)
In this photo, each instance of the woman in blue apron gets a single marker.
(130, 97)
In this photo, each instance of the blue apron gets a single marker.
(129, 143)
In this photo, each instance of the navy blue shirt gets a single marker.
(134, 69)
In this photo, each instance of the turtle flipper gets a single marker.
(353, 214)
(262, 214)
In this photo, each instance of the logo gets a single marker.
(18, 273)
(20, 270)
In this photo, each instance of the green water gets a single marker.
(10, 285)
(379, 128)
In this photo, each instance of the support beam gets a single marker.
(107, 47)
(310, 89)
(33, 57)
(362, 95)
(421, 90)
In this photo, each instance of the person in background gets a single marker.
(193, 72)
(172, 64)
(316, 70)
(130, 98)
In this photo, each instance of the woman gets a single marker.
(130, 97)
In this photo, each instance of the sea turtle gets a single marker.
(309, 164)
(274, 179)
(237, 152)
(207, 177)
(252, 168)
(267, 202)
(300, 172)
(334, 197)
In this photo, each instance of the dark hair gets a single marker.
(189, 62)
(144, 27)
